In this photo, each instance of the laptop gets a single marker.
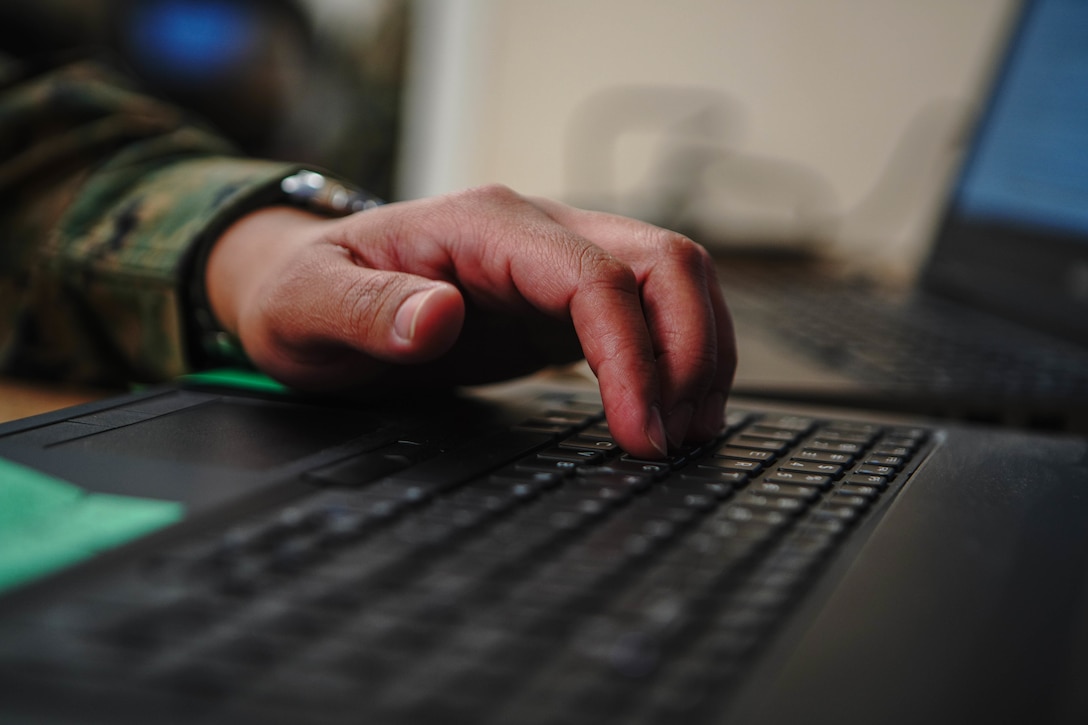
(995, 329)
(225, 551)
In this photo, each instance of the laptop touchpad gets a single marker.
(234, 433)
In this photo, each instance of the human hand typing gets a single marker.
(479, 286)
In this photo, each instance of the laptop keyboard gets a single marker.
(920, 343)
(540, 576)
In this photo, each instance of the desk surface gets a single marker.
(21, 398)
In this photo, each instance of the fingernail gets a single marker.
(712, 413)
(655, 432)
(404, 323)
(678, 421)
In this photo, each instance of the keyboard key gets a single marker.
(578, 457)
(638, 468)
(795, 423)
(732, 465)
(853, 427)
(869, 492)
(764, 444)
(890, 461)
(556, 423)
(768, 433)
(835, 512)
(752, 514)
(809, 454)
(841, 436)
(833, 446)
(611, 478)
(869, 470)
(886, 450)
(342, 527)
(767, 488)
(575, 415)
(715, 475)
(716, 489)
(914, 434)
(544, 465)
(785, 504)
(744, 454)
(823, 469)
(588, 443)
(666, 497)
(798, 478)
(845, 498)
(823, 526)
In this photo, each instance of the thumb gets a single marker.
(425, 323)
(393, 317)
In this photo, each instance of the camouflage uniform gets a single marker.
(104, 193)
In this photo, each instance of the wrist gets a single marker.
(213, 326)
(251, 250)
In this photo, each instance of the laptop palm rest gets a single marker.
(988, 541)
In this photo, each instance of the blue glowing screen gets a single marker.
(1029, 163)
(190, 39)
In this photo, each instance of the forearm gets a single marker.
(103, 193)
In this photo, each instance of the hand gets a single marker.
(475, 286)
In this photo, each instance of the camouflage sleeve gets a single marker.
(103, 194)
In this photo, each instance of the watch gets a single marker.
(210, 344)
(322, 194)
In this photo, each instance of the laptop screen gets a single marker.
(1029, 164)
(1015, 235)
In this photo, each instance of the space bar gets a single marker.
(463, 464)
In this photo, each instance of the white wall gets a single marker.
(815, 94)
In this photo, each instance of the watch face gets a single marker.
(325, 195)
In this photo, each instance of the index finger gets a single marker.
(607, 312)
(689, 323)
(566, 274)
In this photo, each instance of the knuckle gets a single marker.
(492, 195)
(676, 246)
(600, 268)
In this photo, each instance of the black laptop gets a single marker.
(227, 551)
(218, 553)
(996, 328)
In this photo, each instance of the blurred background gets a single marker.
(786, 125)
(768, 123)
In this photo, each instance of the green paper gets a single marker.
(238, 379)
(47, 524)
(26, 495)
